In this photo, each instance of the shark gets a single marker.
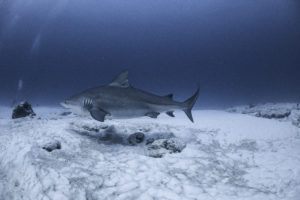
(119, 99)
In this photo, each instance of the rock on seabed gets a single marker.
(24, 109)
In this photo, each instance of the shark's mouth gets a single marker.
(63, 104)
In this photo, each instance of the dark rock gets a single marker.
(52, 146)
(24, 109)
(136, 138)
(274, 114)
(163, 146)
(149, 141)
(269, 111)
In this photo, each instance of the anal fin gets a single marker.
(170, 113)
(152, 114)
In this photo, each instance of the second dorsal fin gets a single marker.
(170, 96)
(121, 80)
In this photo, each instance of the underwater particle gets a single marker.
(20, 84)
(18, 95)
(36, 45)
(24, 109)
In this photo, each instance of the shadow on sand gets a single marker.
(110, 135)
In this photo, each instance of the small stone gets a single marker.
(149, 141)
(24, 109)
(136, 138)
(17, 183)
(52, 146)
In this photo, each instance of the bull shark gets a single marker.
(120, 100)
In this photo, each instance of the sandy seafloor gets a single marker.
(227, 156)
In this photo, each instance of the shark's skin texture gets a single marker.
(120, 100)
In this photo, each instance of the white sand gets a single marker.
(227, 156)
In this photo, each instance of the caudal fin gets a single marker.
(189, 103)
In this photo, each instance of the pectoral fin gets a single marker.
(98, 114)
(152, 114)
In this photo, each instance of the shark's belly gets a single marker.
(136, 110)
(128, 112)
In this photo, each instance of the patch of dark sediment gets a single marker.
(155, 144)
(278, 111)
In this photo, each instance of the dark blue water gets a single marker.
(237, 51)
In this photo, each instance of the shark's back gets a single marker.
(127, 97)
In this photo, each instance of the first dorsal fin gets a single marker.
(170, 96)
(121, 80)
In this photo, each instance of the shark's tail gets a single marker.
(189, 103)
